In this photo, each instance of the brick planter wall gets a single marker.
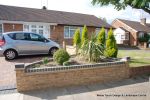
(134, 71)
(40, 78)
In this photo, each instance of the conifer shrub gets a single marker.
(77, 40)
(101, 37)
(84, 35)
(111, 49)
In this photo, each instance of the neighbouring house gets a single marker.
(128, 32)
(56, 25)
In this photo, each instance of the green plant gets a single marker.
(111, 46)
(91, 50)
(45, 60)
(145, 38)
(66, 63)
(101, 37)
(84, 35)
(122, 4)
(77, 40)
(60, 56)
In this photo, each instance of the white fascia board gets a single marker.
(22, 22)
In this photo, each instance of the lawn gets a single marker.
(138, 57)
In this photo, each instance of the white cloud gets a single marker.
(80, 6)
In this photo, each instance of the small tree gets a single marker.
(77, 40)
(111, 46)
(84, 35)
(91, 50)
(101, 37)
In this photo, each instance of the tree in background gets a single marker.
(122, 4)
(101, 37)
(104, 19)
(77, 40)
(84, 35)
(111, 46)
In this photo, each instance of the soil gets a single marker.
(73, 61)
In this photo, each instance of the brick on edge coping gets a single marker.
(19, 66)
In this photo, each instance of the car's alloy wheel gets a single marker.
(53, 50)
(10, 54)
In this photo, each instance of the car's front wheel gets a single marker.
(53, 50)
(10, 54)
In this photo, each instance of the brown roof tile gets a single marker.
(136, 25)
(12, 13)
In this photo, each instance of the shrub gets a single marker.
(111, 46)
(101, 37)
(92, 50)
(84, 35)
(66, 63)
(60, 56)
(45, 60)
(145, 38)
(111, 52)
(77, 40)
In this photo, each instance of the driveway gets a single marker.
(7, 70)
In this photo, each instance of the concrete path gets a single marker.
(130, 89)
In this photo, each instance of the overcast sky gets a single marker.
(81, 6)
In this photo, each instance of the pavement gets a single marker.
(137, 88)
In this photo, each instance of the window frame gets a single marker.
(2, 28)
(71, 28)
(122, 37)
(126, 36)
(37, 28)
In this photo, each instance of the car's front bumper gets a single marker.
(1, 52)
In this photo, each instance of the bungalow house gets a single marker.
(56, 25)
(128, 32)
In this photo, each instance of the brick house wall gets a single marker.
(133, 33)
(57, 34)
(12, 27)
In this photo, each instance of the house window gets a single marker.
(97, 30)
(33, 30)
(70, 30)
(1, 28)
(41, 31)
(33, 26)
(40, 26)
(122, 37)
(26, 27)
(126, 36)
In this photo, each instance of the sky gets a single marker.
(81, 6)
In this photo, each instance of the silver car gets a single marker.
(13, 44)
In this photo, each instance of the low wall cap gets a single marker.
(19, 65)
